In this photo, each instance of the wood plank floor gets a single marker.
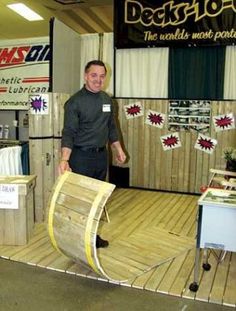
(133, 212)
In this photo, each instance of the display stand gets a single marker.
(216, 228)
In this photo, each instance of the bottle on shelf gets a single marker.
(6, 131)
(26, 120)
(1, 131)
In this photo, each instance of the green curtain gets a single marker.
(196, 73)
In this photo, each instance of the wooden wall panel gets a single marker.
(182, 169)
(45, 150)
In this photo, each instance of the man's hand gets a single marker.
(119, 154)
(63, 166)
(64, 163)
(120, 157)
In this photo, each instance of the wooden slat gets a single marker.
(157, 277)
(140, 281)
(10, 251)
(171, 274)
(81, 270)
(61, 264)
(36, 257)
(180, 282)
(229, 297)
(218, 288)
(48, 259)
(206, 281)
(41, 164)
(21, 255)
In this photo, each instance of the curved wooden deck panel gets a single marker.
(75, 209)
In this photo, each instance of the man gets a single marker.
(89, 125)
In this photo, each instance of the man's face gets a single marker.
(94, 78)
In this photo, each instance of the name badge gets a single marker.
(106, 108)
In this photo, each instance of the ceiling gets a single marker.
(87, 16)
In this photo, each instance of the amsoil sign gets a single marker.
(147, 23)
(24, 70)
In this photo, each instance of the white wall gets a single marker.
(65, 59)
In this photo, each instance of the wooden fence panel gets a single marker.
(183, 169)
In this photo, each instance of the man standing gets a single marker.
(89, 125)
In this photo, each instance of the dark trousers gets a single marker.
(89, 163)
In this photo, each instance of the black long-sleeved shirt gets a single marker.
(89, 120)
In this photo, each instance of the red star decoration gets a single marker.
(133, 110)
(224, 122)
(170, 141)
(155, 118)
(205, 143)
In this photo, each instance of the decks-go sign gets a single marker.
(162, 23)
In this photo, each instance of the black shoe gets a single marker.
(101, 243)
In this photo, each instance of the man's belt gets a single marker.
(91, 149)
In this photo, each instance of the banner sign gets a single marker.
(9, 196)
(162, 23)
(24, 70)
